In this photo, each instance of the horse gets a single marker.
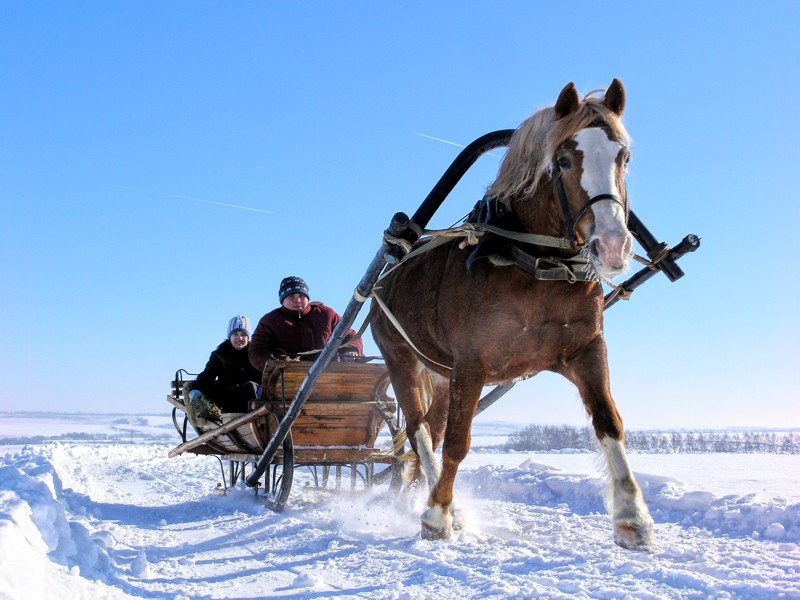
(455, 319)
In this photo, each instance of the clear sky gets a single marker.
(164, 165)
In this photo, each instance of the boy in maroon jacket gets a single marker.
(297, 328)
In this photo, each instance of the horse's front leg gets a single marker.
(437, 520)
(633, 525)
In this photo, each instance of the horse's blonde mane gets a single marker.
(531, 149)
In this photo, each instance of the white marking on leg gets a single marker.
(624, 498)
(633, 524)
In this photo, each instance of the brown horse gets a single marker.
(454, 321)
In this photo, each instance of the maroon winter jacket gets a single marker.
(284, 333)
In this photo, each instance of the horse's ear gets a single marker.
(615, 97)
(567, 101)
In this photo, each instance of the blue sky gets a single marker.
(130, 132)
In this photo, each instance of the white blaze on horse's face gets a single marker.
(610, 242)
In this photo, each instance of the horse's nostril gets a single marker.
(593, 247)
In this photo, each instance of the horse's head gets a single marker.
(564, 174)
(589, 168)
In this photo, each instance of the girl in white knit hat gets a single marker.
(229, 382)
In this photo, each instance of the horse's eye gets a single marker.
(564, 162)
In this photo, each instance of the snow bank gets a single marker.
(40, 549)
(753, 515)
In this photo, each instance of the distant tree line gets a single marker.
(534, 438)
(84, 437)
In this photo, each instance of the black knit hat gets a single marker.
(292, 285)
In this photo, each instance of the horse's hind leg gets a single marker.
(412, 390)
(633, 525)
(435, 400)
(438, 519)
(437, 419)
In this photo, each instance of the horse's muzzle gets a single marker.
(609, 253)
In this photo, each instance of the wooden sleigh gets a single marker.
(336, 430)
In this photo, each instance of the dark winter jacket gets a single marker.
(226, 369)
(285, 333)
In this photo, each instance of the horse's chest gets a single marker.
(562, 333)
(556, 334)
(538, 346)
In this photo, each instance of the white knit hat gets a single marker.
(239, 323)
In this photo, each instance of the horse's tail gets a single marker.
(409, 458)
(425, 389)
(411, 468)
(398, 443)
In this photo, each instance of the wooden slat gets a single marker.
(343, 456)
(216, 432)
(340, 409)
(176, 402)
(341, 382)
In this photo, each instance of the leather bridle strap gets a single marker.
(569, 220)
(562, 197)
(600, 198)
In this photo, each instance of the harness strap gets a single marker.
(554, 269)
(529, 238)
(364, 325)
(618, 291)
(402, 331)
(472, 232)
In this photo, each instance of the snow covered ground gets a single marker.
(118, 519)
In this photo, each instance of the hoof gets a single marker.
(635, 537)
(429, 532)
(436, 525)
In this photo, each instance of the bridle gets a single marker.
(570, 221)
